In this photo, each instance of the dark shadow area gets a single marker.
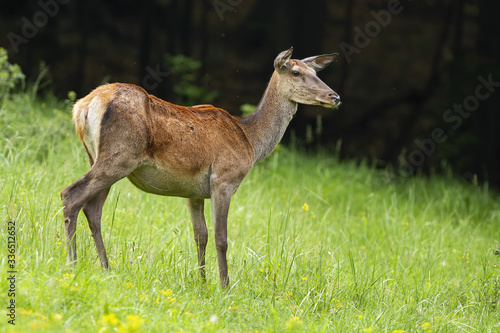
(419, 81)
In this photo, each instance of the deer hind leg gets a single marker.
(196, 211)
(93, 212)
(92, 189)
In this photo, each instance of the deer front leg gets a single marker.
(196, 211)
(221, 198)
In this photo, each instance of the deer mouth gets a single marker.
(329, 103)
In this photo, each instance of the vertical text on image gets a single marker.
(11, 272)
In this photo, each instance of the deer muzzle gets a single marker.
(330, 100)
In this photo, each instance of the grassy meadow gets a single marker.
(315, 245)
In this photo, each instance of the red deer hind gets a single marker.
(197, 152)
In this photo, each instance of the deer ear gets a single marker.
(319, 62)
(282, 58)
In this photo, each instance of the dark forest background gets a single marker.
(419, 80)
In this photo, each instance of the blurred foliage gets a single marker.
(182, 70)
(246, 109)
(10, 74)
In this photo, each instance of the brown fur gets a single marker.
(176, 133)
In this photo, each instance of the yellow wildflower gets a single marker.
(25, 312)
(39, 326)
(109, 320)
(133, 322)
(360, 317)
(305, 207)
(304, 279)
(293, 322)
(166, 293)
(426, 327)
(368, 330)
(398, 331)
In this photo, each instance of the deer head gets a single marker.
(298, 78)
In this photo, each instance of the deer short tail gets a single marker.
(87, 116)
(79, 117)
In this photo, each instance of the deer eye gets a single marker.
(295, 73)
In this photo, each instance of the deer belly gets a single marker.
(160, 181)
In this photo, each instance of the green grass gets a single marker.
(367, 253)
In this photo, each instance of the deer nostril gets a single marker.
(334, 96)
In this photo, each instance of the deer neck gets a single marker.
(267, 124)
